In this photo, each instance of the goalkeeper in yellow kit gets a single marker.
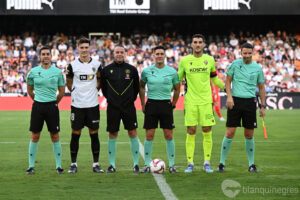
(198, 69)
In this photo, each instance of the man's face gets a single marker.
(119, 54)
(247, 55)
(159, 56)
(45, 56)
(84, 49)
(198, 45)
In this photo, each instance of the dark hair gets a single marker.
(83, 40)
(158, 47)
(198, 36)
(45, 48)
(247, 46)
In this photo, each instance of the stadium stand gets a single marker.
(278, 53)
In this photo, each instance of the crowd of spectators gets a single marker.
(277, 52)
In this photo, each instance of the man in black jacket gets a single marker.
(120, 86)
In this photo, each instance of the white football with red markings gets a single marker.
(157, 166)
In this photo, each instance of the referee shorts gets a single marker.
(244, 109)
(199, 113)
(125, 113)
(41, 112)
(158, 110)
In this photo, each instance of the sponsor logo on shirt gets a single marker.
(198, 70)
(86, 77)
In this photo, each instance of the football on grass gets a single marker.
(157, 166)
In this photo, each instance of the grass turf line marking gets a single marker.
(217, 142)
(7, 142)
(160, 180)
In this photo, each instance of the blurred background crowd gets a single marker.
(278, 52)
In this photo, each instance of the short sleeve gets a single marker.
(100, 68)
(144, 76)
(181, 71)
(30, 80)
(61, 80)
(175, 79)
(70, 73)
(260, 76)
(230, 70)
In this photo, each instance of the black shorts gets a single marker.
(44, 112)
(244, 109)
(158, 110)
(81, 117)
(116, 114)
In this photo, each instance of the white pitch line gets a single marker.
(217, 142)
(160, 181)
(7, 142)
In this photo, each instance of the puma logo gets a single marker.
(246, 3)
(49, 3)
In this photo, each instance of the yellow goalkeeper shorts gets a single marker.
(199, 113)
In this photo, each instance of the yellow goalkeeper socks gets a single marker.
(190, 147)
(207, 144)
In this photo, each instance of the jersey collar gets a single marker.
(83, 62)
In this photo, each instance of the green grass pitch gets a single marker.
(278, 159)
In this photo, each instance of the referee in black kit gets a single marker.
(120, 86)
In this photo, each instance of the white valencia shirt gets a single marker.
(84, 89)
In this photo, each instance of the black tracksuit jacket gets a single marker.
(120, 84)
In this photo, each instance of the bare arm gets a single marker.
(61, 93)
(98, 80)
(30, 92)
(142, 94)
(176, 94)
(70, 84)
(229, 102)
(262, 94)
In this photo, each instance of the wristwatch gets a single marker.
(173, 106)
(263, 106)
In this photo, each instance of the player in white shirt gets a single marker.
(83, 80)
